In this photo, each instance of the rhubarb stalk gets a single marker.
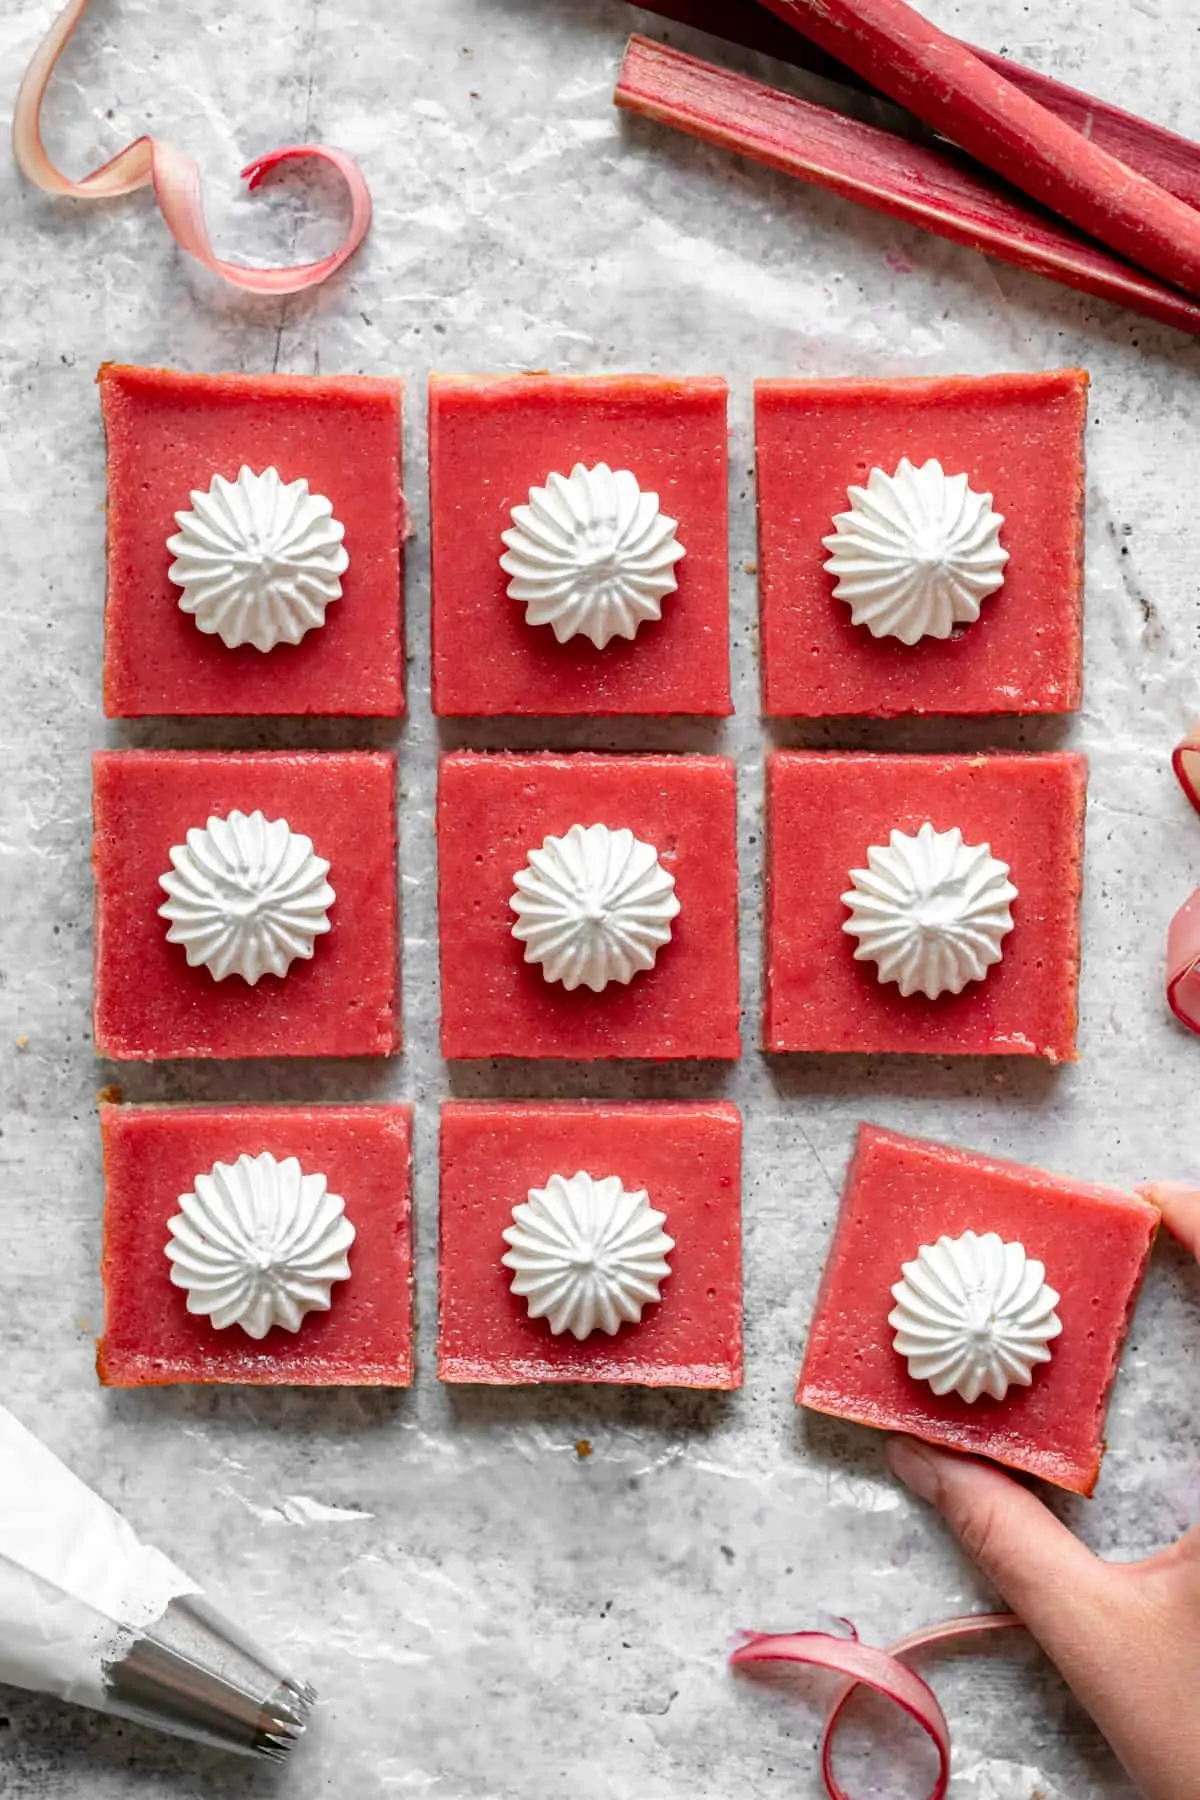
(978, 108)
(908, 181)
(148, 162)
(1163, 156)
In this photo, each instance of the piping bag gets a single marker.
(91, 1614)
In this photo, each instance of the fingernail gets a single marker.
(911, 1465)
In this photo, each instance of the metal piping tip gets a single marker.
(196, 1675)
(286, 1717)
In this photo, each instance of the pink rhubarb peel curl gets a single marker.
(882, 1670)
(148, 162)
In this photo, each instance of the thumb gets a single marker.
(1125, 1647)
(1047, 1576)
(1180, 1204)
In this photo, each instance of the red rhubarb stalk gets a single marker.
(148, 162)
(908, 181)
(1163, 156)
(978, 108)
(864, 1665)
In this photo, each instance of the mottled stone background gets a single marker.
(485, 1613)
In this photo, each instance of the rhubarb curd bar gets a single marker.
(269, 1245)
(579, 544)
(921, 544)
(1024, 1346)
(658, 1185)
(959, 876)
(246, 904)
(588, 906)
(255, 536)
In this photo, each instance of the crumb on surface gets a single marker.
(583, 1449)
(22, 1043)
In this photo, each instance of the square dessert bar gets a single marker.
(494, 439)
(687, 1161)
(493, 811)
(826, 811)
(153, 1157)
(169, 435)
(1094, 1243)
(1017, 438)
(343, 999)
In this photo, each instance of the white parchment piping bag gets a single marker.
(90, 1613)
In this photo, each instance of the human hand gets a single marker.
(1126, 1636)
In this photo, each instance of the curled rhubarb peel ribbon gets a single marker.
(175, 178)
(864, 1665)
(1185, 760)
(1183, 937)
